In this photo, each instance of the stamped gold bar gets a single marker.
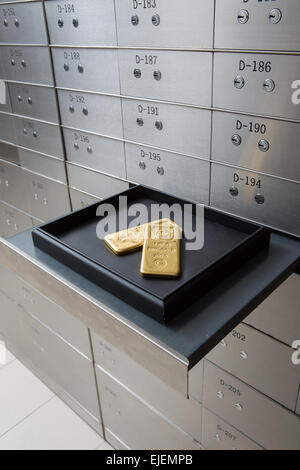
(161, 250)
(126, 241)
(129, 240)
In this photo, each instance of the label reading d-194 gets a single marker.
(250, 181)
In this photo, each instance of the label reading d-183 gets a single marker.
(145, 4)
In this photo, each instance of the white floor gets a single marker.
(33, 418)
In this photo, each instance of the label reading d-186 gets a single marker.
(261, 66)
(247, 180)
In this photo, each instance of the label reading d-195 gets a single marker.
(250, 181)
(151, 155)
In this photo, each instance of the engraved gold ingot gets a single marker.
(126, 241)
(161, 250)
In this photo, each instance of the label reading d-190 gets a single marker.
(250, 181)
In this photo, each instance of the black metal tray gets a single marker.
(229, 242)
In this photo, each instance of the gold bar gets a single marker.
(161, 250)
(126, 241)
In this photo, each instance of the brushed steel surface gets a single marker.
(282, 69)
(281, 198)
(186, 77)
(48, 313)
(195, 382)
(283, 137)
(261, 419)
(34, 101)
(160, 360)
(79, 200)
(87, 69)
(23, 23)
(7, 130)
(43, 165)
(218, 435)
(39, 136)
(13, 221)
(37, 65)
(96, 184)
(261, 362)
(184, 413)
(188, 25)
(114, 441)
(95, 27)
(95, 152)
(9, 152)
(13, 186)
(55, 359)
(125, 415)
(160, 170)
(259, 32)
(185, 130)
(93, 113)
(48, 199)
(278, 316)
(6, 105)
